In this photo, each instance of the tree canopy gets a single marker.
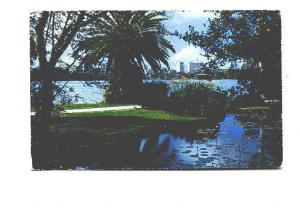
(248, 36)
(126, 42)
(51, 34)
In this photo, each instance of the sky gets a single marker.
(180, 20)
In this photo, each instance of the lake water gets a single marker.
(240, 140)
(93, 93)
(236, 143)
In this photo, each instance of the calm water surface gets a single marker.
(237, 141)
(236, 144)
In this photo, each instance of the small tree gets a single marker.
(51, 35)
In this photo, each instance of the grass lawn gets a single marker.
(137, 113)
(118, 123)
(121, 123)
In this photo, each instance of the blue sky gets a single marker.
(180, 20)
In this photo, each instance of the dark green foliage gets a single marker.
(127, 41)
(51, 33)
(247, 100)
(197, 99)
(116, 94)
(252, 36)
(154, 95)
(124, 85)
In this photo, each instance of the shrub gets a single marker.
(115, 94)
(247, 100)
(198, 99)
(154, 95)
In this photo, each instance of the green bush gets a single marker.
(197, 99)
(116, 94)
(247, 100)
(154, 95)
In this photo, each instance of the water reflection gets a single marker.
(238, 141)
(235, 145)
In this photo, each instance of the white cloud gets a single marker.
(187, 54)
(194, 14)
(183, 16)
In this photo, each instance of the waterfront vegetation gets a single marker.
(198, 99)
(191, 110)
(118, 123)
(128, 46)
(122, 123)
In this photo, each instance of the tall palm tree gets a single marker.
(127, 42)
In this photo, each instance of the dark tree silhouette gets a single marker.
(127, 41)
(250, 36)
(51, 34)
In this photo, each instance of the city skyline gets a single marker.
(180, 21)
(191, 66)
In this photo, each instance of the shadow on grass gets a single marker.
(110, 140)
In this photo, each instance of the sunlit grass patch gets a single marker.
(138, 113)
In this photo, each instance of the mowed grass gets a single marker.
(138, 113)
(118, 123)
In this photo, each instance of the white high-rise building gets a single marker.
(195, 67)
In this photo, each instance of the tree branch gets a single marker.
(53, 24)
(41, 44)
(66, 38)
(60, 88)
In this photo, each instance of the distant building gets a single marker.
(196, 67)
(181, 66)
(202, 76)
